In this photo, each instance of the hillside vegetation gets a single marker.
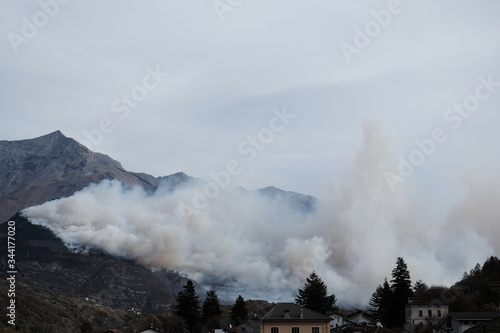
(477, 291)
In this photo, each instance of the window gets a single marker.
(315, 329)
(295, 330)
(275, 330)
(420, 314)
(429, 312)
(439, 313)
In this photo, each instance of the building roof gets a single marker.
(291, 311)
(492, 326)
(474, 315)
(360, 316)
(484, 316)
(426, 302)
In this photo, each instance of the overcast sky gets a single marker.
(330, 65)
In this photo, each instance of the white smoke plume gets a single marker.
(263, 249)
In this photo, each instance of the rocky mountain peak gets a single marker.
(51, 166)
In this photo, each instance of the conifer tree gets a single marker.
(421, 290)
(239, 312)
(315, 296)
(188, 307)
(401, 291)
(385, 302)
(380, 302)
(375, 300)
(211, 311)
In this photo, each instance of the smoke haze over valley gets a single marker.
(245, 242)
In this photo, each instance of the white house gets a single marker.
(424, 311)
(338, 320)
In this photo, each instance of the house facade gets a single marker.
(292, 318)
(337, 320)
(424, 311)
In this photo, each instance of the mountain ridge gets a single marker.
(34, 171)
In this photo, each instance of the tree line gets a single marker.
(387, 303)
(314, 295)
(473, 293)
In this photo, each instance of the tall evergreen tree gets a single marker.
(239, 312)
(315, 296)
(375, 299)
(188, 307)
(401, 291)
(211, 311)
(380, 302)
(385, 302)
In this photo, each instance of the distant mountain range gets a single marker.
(52, 166)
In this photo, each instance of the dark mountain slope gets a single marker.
(42, 259)
(41, 310)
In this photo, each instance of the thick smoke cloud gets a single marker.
(262, 248)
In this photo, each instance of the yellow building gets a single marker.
(293, 318)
